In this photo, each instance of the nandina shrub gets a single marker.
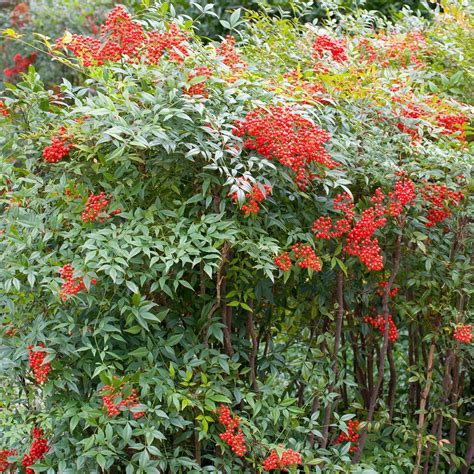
(238, 256)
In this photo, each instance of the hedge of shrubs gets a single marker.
(246, 254)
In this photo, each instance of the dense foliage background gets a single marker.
(236, 253)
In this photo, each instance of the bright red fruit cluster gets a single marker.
(233, 435)
(39, 447)
(5, 465)
(303, 254)
(326, 45)
(306, 256)
(121, 38)
(3, 109)
(452, 124)
(283, 134)
(229, 55)
(58, 148)
(379, 323)
(36, 359)
(359, 241)
(255, 197)
(287, 458)
(199, 88)
(352, 435)
(463, 333)
(440, 199)
(382, 285)
(71, 285)
(359, 234)
(283, 261)
(404, 195)
(97, 204)
(110, 395)
(21, 64)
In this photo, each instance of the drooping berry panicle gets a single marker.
(256, 195)
(36, 360)
(332, 48)
(453, 124)
(71, 285)
(287, 458)
(59, 147)
(113, 400)
(5, 464)
(281, 133)
(359, 233)
(378, 322)
(230, 57)
(233, 435)
(39, 447)
(303, 255)
(96, 208)
(352, 435)
(463, 333)
(122, 38)
(439, 200)
(306, 257)
(283, 262)
(200, 87)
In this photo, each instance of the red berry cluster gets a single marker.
(352, 435)
(39, 447)
(359, 234)
(324, 45)
(174, 41)
(323, 228)
(257, 194)
(110, 395)
(382, 285)
(200, 88)
(121, 38)
(230, 57)
(405, 49)
(3, 109)
(439, 199)
(58, 148)
(463, 333)
(36, 359)
(404, 195)
(359, 241)
(303, 254)
(98, 204)
(72, 285)
(233, 435)
(5, 465)
(306, 256)
(379, 323)
(20, 15)
(287, 458)
(453, 123)
(21, 64)
(283, 262)
(10, 331)
(281, 133)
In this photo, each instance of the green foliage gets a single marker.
(182, 298)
